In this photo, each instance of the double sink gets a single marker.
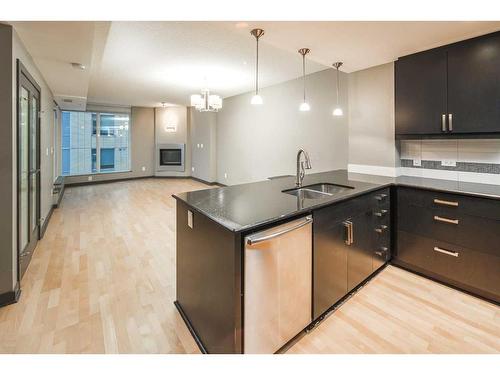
(317, 191)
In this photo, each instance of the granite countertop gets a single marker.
(243, 207)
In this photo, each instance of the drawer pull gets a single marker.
(381, 197)
(446, 220)
(447, 252)
(445, 203)
(381, 213)
(381, 229)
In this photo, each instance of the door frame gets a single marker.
(23, 73)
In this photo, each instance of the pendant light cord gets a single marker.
(257, 70)
(337, 87)
(304, 74)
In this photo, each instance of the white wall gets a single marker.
(254, 143)
(371, 119)
(203, 145)
(170, 116)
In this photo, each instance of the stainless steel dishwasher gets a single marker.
(278, 285)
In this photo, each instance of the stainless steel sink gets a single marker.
(317, 191)
(329, 188)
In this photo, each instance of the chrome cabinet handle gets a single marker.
(446, 220)
(443, 122)
(381, 229)
(349, 232)
(381, 213)
(382, 251)
(445, 203)
(447, 252)
(381, 197)
(252, 240)
(450, 122)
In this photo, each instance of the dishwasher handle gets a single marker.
(256, 238)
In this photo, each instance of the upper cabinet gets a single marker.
(451, 90)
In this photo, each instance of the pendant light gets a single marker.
(257, 99)
(338, 109)
(304, 106)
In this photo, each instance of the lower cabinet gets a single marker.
(450, 238)
(351, 240)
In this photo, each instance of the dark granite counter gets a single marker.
(242, 207)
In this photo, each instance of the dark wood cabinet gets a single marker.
(451, 238)
(420, 86)
(360, 251)
(474, 85)
(450, 90)
(350, 240)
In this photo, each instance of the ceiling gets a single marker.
(146, 63)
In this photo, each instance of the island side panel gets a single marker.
(209, 280)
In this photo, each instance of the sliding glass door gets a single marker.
(28, 133)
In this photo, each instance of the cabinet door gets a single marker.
(360, 252)
(420, 93)
(474, 85)
(329, 261)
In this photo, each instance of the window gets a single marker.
(94, 143)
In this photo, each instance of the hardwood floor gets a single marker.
(102, 280)
(399, 312)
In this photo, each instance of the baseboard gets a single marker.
(95, 182)
(213, 183)
(46, 222)
(11, 297)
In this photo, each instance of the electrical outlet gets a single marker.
(89, 178)
(143, 168)
(192, 169)
(417, 162)
(201, 145)
(448, 163)
(197, 145)
(225, 176)
(47, 151)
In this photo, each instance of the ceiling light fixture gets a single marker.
(257, 99)
(206, 102)
(338, 110)
(304, 106)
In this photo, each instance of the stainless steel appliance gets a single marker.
(278, 285)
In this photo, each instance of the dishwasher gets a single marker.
(277, 285)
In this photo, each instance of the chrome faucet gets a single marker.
(302, 166)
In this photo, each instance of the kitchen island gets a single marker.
(212, 225)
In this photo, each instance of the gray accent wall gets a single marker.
(257, 142)
(203, 145)
(371, 117)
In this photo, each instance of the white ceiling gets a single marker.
(145, 63)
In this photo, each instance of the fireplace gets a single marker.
(170, 157)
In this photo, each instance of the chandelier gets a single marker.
(206, 102)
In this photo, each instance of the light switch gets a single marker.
(190, 219)
(417, 162)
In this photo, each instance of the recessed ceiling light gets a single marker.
(241, 25)
(78, 66)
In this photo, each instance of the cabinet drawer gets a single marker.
(376, 202)
(478, 233)
(449, 204)
(470, 270)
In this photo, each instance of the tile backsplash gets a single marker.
(471, 160)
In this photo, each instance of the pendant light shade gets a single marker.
(257, 99)
(304, 106)
(338, 109)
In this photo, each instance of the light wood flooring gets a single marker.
(102, 280)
